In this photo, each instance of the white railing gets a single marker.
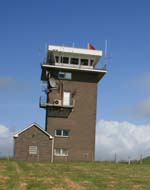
(43, 102)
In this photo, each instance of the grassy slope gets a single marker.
(73, 176)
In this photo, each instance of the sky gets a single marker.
(123, 104)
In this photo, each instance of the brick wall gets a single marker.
(36, 138)
(81, 121)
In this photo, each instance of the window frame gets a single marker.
(57, 59)
(62, 132)
(74, 61)
(61, 151)
(84, 62)
(63, 60)
(66, 98)
(33, 150)
(65, 75)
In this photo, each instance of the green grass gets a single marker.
(74, 176)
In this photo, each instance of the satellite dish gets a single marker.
(52, 82)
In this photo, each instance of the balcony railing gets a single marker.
(55, 103)
(56, 108)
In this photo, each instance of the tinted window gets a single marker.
(57, 59)
(84, 61)
(65, 60)
(74, 61)
(63, 75)
(66, 133)
(91, 62)
(58, 132)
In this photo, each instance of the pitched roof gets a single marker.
(36, 125)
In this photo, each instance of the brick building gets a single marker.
(70, 85)
(33, 144)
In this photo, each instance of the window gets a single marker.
(74, 61)
(61, 75)
(68, 76)
(62, 133)
(66, 98)
(56, 59)
(58, 132)
(65, 60)
(64, 75)
(33, 149)
(60, 152)
(65, 133)
(84, 61)
(91, 62)
(57, 151)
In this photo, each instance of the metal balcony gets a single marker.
(56, 108)
(54, 103)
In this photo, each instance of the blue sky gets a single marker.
(27, 26)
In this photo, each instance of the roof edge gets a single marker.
(33, 124)
(75, 68)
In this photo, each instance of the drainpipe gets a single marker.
(52, 157)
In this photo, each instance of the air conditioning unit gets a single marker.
(57, 102)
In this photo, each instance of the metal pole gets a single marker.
(52, 156)
(8, 157)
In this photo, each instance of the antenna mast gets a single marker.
(45, 56)
(105, 49)
(106, 57)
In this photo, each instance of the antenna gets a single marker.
(40, 54)
(45, 52)
(106, 57)
(105, 48)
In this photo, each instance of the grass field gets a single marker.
(73, 176)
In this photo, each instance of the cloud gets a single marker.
(122, 139)
(6, 141)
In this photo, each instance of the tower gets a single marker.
(70, 85)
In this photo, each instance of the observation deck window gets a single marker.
(74, 61)
(65, 60)
(91, 62)
(56, 59)
(84, 61)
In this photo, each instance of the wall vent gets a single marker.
(57, 102)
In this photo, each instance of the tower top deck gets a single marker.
(73, 57)
(77, 51)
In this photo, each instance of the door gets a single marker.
(66, 99)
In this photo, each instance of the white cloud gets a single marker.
(123, 139)
(6, 141)
(112, 137)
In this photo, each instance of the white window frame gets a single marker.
(62, 133)
(33, 150)
(66, 98)
(61, 150)
(66, 75)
